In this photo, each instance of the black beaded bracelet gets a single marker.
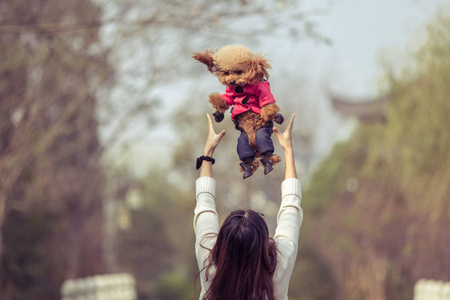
(202, 158)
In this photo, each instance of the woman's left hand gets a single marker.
(213, 139)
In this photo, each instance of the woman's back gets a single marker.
(240, 260)
(209, 242)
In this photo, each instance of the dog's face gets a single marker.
(232, 65)
(235, 65)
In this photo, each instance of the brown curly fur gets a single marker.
(238, 65)
(218, 103)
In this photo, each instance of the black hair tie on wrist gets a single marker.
(202, 158)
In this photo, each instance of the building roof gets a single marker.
(372, 110)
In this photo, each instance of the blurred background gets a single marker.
(102, 115)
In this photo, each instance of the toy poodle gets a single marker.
(253, 106)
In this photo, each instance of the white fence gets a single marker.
(100, 287)
(431, 290)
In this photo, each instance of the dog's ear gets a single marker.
(258, 70)
(205, 57)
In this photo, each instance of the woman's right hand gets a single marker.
(285, 138)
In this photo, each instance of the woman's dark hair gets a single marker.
(244, 257)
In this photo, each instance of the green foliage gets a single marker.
(51, 184)
(30, 272)
(378, 204)
(173, 287)
(312, 278)
(154, 248)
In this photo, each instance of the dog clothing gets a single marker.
(248, 97)
(251, 97)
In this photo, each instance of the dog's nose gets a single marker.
(232, 82)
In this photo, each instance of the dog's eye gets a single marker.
(226, 73)
(239, 72)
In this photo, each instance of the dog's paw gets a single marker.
(217, 102)
(279, 119)
(218, 116)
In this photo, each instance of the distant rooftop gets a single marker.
(365, 110)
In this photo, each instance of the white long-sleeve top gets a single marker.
(289, 221)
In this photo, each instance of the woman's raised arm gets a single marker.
(285, 140)
(212, 141)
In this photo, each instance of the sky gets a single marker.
(363, 33)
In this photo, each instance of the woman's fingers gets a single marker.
(291, 123)
(221, 134)
(288, 128)
(210, 124)
(212, 133)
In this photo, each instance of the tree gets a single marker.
(380, 200)
(59, 86)
(151, 43)
(51, 180)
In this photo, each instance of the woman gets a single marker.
(240, 261)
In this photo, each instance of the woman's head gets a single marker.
(244, 257)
